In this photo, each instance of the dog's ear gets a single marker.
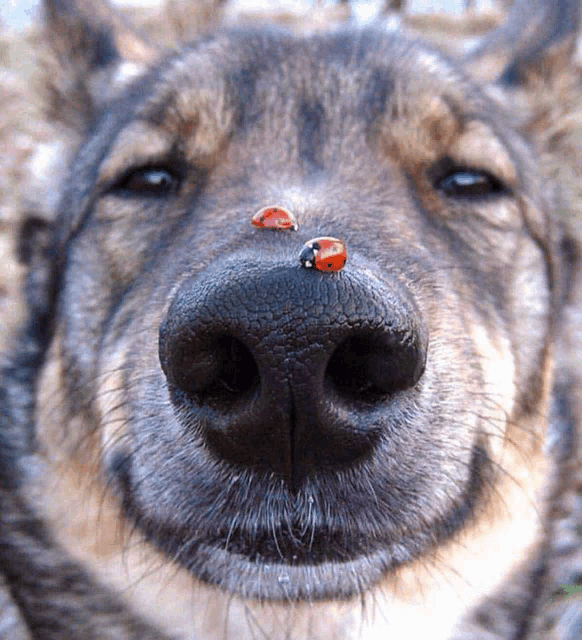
(92, 53)
(537, 39)
(529, 64)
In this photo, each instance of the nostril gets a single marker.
(217, 370)
(370, 366)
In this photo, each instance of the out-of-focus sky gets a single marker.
(19, 13)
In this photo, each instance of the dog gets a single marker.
(213, 429)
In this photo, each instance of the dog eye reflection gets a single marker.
(468, 183)
(148, 181)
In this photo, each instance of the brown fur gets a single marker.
(245, 120)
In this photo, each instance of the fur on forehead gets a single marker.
(402, 85)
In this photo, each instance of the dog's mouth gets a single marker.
(310, 558)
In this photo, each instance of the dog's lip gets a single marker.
(277, 546)
(261, 565)
(276, 581)
(269, 579)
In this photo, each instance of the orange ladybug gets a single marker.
(277, 218)
(324, 254)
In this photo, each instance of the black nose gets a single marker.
(289, 369)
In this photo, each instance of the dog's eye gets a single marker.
(467, 183)
(148, 181)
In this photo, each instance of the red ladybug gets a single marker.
(277, 218)
(324, 254)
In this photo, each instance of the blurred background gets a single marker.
(17, 14)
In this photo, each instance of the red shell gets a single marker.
(277, 218)
(325, 254)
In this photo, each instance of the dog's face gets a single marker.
(282, 432)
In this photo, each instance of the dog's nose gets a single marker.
(288, 369)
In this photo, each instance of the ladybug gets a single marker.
(324, 254)
(277, 218)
